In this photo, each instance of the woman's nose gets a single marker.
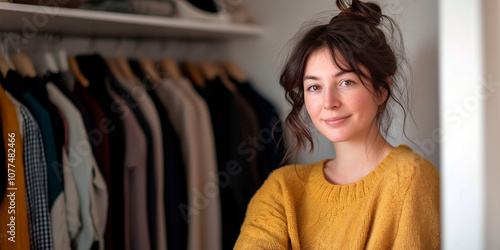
(331, 100)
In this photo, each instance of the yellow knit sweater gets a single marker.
(396, 206)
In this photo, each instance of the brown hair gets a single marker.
(357, 35)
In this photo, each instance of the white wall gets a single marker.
(492, 116)
(469, 58)
(281, 19)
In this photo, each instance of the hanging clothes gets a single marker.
(250, 131)
(36, 87)
(10, 129)
(97, 131)
(73, 205)
(89, 180)
(66, 84)
(175, 177)
(96, 72)
(147, 108)
(135, 177)
(3, 170)
(270, 128)
(226, 123)
(36, 179)
(151, 193)
(97, 67)
(18, 87)
(191, 121)
(159, 163)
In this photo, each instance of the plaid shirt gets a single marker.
(36, 184)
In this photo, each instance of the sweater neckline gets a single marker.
(334, 193)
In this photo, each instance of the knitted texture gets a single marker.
(395, 206)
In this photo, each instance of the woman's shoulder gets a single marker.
(290, 179)
(292, 172)
(292, 175)
(404, 162)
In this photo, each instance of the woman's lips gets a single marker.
(335, 120)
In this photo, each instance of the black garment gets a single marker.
(3, 170)
(250, 133)
(150, 175)
(96, 71)
(37, 88)
(205, 5)
(15, 84)
(269, 121)
(226, 124)
(175, 182)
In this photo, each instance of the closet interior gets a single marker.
(129, 130)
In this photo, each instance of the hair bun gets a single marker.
(370, 11)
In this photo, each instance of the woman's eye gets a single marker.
(312, 88)
(346, 83)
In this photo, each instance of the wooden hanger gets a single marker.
(73, 66)
(113, 68)
(209, 70)
(212, 70)
(170, 69)
(125, 69)
(23, 64)
(148, 68)
(188, 69)
(4, 66)
(9, 62)
(234, 71)
(225, 80)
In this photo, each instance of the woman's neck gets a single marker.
(355, 160)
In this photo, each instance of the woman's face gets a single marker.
(341, 108)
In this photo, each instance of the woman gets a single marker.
(372, 195)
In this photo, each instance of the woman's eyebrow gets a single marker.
(340, 73)
(311, 78)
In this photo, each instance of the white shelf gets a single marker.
(22, 18)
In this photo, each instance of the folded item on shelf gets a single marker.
(143, 7)
(154, 8)
(111, 6)
(205, 5)
(58, 3)
(240, 12)
(186, 9)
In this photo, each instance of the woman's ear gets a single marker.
(384, 94)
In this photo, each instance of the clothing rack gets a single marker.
(232, 116)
